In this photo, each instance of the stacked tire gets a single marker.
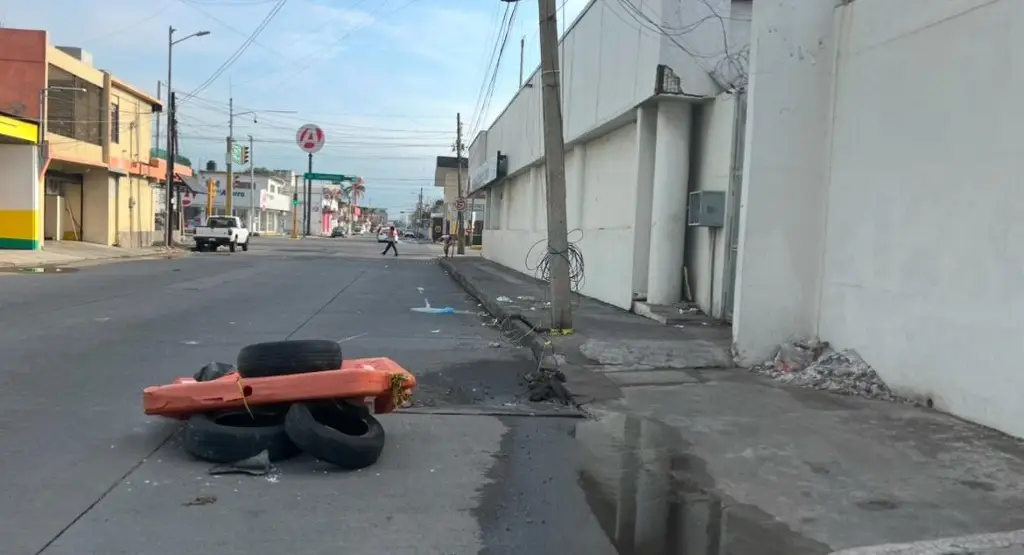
(338, 431)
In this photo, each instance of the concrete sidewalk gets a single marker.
(73, 252)
(761, 467)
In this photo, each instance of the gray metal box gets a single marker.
(706, 209)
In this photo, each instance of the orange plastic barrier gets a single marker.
(381, 378)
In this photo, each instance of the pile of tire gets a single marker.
(338, 431)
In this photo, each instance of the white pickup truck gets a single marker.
(222, 230)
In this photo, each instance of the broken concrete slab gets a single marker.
(654, 377)
(693, 353)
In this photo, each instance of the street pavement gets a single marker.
(83, 471)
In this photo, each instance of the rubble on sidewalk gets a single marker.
(814, 364)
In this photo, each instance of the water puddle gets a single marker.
(37, 270)
(652, 496)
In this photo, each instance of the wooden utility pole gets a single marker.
(460, 228)
(554, 156)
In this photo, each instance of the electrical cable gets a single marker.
(573, 255)
(489, 67)
(330, 48)
(193, 4)
(241, 50)
(494, 77)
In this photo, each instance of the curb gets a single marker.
(168, 254)
(509, 322)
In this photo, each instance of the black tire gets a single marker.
(281, 358)
(200, 247)
(231, 436)
(245, 246)
(336, 433)
(232, 246)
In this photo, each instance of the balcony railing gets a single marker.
(161, 153)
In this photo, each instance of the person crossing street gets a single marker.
(392, 241)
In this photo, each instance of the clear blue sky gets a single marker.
(384, 78)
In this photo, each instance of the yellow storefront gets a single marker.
(20, 221)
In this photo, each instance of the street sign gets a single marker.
(236, 153)
(310, 138)
(332, 177)
(460, 204)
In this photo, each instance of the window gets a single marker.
(71, 112)
(115, 123)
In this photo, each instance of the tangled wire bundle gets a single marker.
(573, 255)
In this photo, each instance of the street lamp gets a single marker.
(169, 235)
(42, 120)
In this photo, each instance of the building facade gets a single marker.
(265, 207)
(97, 169)
(796, 168)
(19, 171)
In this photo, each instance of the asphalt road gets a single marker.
(83, 471)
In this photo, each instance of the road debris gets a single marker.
(201, 500)
(253, 466)
(547, 385)
(813, 364)
(280, 399)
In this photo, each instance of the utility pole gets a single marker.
(230, 158)
(554, 163)
(295, 208)
(522, 51)
(252, 187)
(419, 211)
(460, 229)
(156, 143)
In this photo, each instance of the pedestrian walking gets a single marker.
(448, 240)
(392, 241)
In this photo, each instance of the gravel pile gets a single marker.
(813, 365)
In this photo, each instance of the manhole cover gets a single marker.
(38, 270)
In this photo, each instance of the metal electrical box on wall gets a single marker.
(706, 209)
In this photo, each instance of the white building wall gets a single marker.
(610, 68)
(924, 262)
(784, 176)
(714, 138)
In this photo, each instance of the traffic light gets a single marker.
(245, 155)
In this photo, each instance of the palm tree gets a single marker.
(353, 192)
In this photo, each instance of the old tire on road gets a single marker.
(231, 436)
(336, 433)
(283, 358)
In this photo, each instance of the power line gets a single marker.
(482, 114)
(241, 49)
(192, 4)
(330, 49)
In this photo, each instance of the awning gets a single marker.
(189, 183)
(17, 131)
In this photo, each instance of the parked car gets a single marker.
(338, 232)
(409, 235)
(222, 230)
(382, 236)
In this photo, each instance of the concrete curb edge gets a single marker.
(509, 322)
